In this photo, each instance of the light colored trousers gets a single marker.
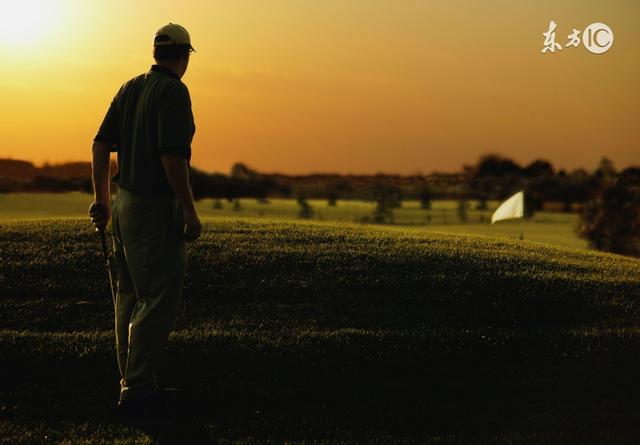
(151, 260)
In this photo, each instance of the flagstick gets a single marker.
(522, 218)
(521, 230)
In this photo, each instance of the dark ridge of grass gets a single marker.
(364, 276)
(405, 382)
(391, 375)
(203, 341)
(36, 432)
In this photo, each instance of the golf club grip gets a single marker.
(102, 209)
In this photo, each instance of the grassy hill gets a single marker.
(332, 333)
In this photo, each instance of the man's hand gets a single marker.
(100, 211)
(100, 214)
(193, 228)
(177, 170)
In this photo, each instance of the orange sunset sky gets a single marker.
(299, 86)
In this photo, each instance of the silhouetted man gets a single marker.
(150, 125)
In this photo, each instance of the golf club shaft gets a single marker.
(105, 252)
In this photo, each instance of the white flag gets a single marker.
(511, 208)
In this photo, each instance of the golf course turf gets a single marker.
(321, 332)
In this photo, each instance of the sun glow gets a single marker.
(26, 23)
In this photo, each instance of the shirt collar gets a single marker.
(164, 70)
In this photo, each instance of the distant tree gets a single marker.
(383, 213)
(538, 168)
(306, 211)
(603, 175)
(86, 186)
(286, 190)
(606, 168)
(387, 197)
(494, 177)
(482, 204)
(54, 184)
(332, 198)
(574, 189)
(242, 182)
(579, 174)
(241, 171)
(236, 205)
(425, 195)
(532, 202)
(337, 189)
(212, 185)
(217, 204)
(611, 222)
(496, 165)
(463, 207)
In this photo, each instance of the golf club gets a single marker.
(105, 253)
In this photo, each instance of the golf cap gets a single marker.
(172, 34)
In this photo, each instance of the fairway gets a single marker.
(333, 333)
(547, 227)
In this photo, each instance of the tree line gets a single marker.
(607, 199)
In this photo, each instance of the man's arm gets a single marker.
(100, 210)
(103, 144)
(177, 172)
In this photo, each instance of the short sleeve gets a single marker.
(175, 121)
(109, 132)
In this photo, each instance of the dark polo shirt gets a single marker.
(149, 116)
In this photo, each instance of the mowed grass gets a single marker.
(333, 333)
(553, 228)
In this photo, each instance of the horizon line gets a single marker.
(417, 172)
